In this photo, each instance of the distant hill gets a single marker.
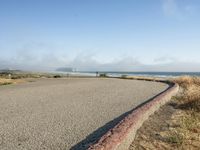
(10, 71)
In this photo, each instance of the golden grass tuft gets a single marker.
(191, 92)
(187, 81)
(189, 103)
(4, 81)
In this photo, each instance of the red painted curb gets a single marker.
(121, 136)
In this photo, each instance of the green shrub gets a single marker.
(175, 138)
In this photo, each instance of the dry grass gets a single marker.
(24, 75)
(4, 81)
(188, 131)
(187, 81)
(142, 78)
(190, 99)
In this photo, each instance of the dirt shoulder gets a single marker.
(175, 126)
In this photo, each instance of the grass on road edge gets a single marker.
(187, 134)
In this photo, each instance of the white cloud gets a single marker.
(164, 60)
(43, 59)
(87, 62)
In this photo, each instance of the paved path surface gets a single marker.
(66, 113)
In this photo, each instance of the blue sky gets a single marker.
(116, 35)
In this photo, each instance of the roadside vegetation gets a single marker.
(12, 77)
(187, 133)
(21, 75)
(103, 75)
(5, 81)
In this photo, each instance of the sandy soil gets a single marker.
(169, 129)
(66, 113)
(149, 136)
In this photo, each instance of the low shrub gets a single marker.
(57, 76)
(103, 75)
(123, 76)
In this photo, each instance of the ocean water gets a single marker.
(154, 74)
(147, 74)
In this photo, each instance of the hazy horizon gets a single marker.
(100, 35)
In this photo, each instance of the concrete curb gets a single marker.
(121, 136)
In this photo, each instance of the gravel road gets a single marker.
(62, 114)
